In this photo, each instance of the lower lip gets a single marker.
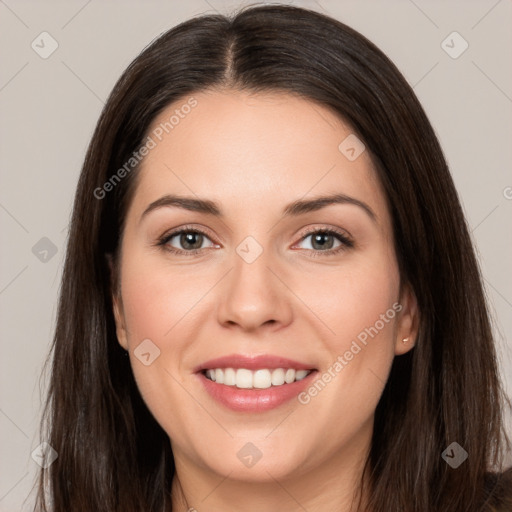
(255, 400)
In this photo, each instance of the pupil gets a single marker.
(187, 240)
(320, 239)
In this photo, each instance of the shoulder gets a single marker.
(498, 487)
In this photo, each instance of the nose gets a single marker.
(254, 296)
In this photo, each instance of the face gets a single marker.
(266, 277)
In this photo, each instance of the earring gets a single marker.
(405, 340)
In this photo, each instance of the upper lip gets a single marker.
(252, 363)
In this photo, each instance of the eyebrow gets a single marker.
(294, 209)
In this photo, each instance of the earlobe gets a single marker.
(408, 321)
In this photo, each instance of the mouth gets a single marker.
(254, 383)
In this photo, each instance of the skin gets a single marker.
(254, 154)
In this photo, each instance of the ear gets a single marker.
(408, 321)
(117, 304)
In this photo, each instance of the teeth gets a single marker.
(262, 379)
(289, 376)
(229, 376)
(259, 379)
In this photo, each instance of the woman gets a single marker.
(270, 298)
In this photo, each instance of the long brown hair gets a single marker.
(112, 454)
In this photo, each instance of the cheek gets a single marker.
(163, 305)
(159, 307)
(359, 306)
(145, 305)
(354, 298)
(156, 299)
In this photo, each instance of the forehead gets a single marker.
(241, 149)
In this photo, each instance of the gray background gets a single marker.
(49, 108)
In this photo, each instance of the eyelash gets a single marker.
(346, 242)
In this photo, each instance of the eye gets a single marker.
(190, 240)
(323, 241)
